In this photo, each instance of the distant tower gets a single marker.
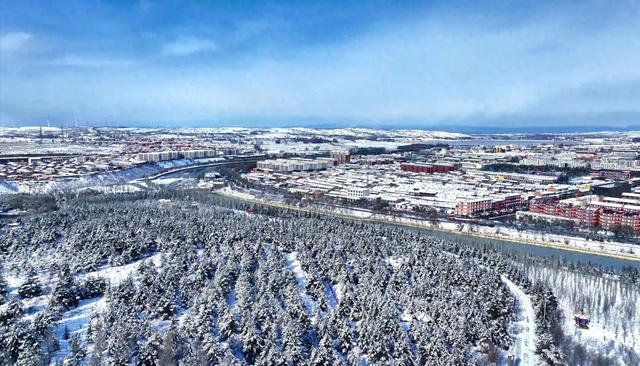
(40, 135)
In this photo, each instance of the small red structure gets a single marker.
(582, 319)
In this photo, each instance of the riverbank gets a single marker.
(615, 250)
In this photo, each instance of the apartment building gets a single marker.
(594, 211)
(427, 168)
(340, 156)
(472, 207)
(293, 165)
(615, 174)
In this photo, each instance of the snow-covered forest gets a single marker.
(136, 279)
(613, 336)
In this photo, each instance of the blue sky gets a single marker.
(352, 63)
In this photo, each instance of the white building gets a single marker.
(294, 165)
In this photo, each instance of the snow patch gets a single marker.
(395, 262)
(76, 321)
(117, 274)
(330, 294)
(408, 317)
(13, 283)
(169, 181)
(339, 292)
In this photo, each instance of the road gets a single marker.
(424, 224)
(198, 166)
(524, 328)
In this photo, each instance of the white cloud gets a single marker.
(88, 61)
(187, 46)
(15, 41)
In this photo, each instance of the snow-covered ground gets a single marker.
(34, 305)
(174, 181)
(524, 328)
(330, 294)
(116, 274)
(76, 321)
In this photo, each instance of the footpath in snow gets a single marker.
(524, 328)
(293, 265)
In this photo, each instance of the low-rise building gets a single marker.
(473, 207)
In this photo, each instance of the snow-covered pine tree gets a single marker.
(31, 286)
(76, 351)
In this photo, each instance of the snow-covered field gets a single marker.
(173, 181)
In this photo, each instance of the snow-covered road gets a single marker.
(524, 329)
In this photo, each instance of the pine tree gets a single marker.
(3, 286)
(211, 349)
(10, 313)
(252, 342)
(65, 294)
(76, 351)
(227, 325)
(321, 356)
(31, 287)
(29, 355)
(150, 352)
(292, 347)
(171, 346)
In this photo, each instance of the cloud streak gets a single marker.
(187, 46)
(15, 41)
(88, 61)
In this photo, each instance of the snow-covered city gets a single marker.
(173, 225)
(288, 183)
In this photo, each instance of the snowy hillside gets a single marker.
(101, 182)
